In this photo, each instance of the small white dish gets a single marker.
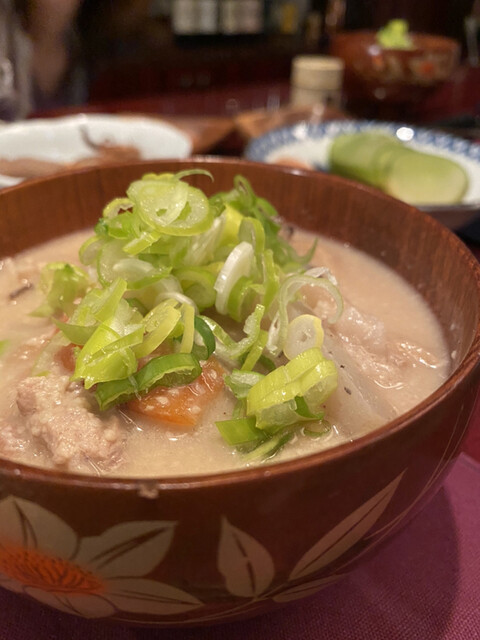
(308, 145)
(61, 139)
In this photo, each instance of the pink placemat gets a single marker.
(423, 585)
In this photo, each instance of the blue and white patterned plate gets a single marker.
(309, 144)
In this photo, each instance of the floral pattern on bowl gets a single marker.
(41, 556)
(99, 576)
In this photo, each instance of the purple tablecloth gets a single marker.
(423, 585)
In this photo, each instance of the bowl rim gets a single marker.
(466, 369)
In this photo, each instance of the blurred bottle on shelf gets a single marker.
(241, 17)
(211, 19)
(313, 29)
(195, 21)
(335, 16)
(289, 21)
(207, 16)
(251, 17)
(184, 18)
(287, 17)
(229, 23)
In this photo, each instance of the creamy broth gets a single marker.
(387, 345)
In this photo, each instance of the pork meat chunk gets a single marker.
(12, 438)
(59, 415)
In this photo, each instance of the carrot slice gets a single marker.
(182, 407)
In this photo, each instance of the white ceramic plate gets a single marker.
(309, 144)
(60, 139)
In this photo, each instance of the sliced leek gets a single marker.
(173, 276)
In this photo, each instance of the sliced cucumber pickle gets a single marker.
(353, 155)
(423, 178)
(382, 161)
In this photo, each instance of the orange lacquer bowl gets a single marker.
(200, 550)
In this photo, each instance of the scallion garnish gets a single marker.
(173, 277)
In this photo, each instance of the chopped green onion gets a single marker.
(159, 325)
(75, 333)
(188, 318)
(88, 252)
(270, 447)
(232, 220)
(255, 351)
(241, 298)
(304, 412)
(238, 264)
(62, 284)
(288, 290)
(251, 231)
(164, 253)
(273, 399)
(303, 332)
(108, 301)
(198, 284)
(230, 349)
(170, 206)
(168, 371)
(117, 205)
(317, 429)
(240, 382)
(113, 263)
(99, 361)
(204, 340)
(172, 370)
(267, 363)
(239, 431)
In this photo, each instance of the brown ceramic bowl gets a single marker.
(202, 550)
(394, 75)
